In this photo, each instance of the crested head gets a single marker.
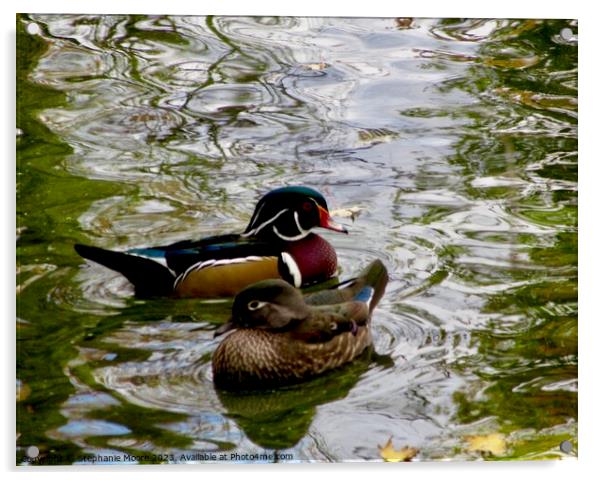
(289, 214)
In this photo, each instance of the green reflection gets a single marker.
(525, 371)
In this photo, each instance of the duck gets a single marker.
(278, 243)
(277, 336)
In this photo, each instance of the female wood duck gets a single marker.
(277, 243)
(281, 337)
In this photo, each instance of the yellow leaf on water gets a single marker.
(515, 63)
(104, 223)
(494, 443)
(374, 136)
(316, 66)
(403, 23)
(23, 391)
(389, 454)
(351, 212)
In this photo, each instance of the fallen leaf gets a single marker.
(493, 444)
(104, 223)
(23, 391)
(316, 66)
(374, 136)
(351, 212)
(389, 454)
(403, 23)
(516, 63)
(538, 100)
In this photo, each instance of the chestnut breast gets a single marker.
(315, 257)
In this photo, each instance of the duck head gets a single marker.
(268, 305)
(289, 214)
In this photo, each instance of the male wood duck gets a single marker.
(277, 243)
(281, 337)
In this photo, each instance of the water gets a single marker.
(456, 139)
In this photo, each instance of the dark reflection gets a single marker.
(277, 419)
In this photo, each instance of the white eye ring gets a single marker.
(255, 305)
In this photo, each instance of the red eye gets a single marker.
(307, 206)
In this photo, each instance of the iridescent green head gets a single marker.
(289, 214)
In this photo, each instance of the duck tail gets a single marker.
(149, 277)
(371, 284)
(368, 287)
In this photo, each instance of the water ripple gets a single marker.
(455, 140)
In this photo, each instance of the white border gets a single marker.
(374, 8)
(590, 82)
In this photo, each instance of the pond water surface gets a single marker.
(457, 141)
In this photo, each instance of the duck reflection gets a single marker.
(279, 418)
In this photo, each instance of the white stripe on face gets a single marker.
(302, 233)
(257, 213)
(264, 224)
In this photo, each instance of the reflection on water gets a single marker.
(455, 139)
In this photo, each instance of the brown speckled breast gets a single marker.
(315, 257)
(254, 359)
